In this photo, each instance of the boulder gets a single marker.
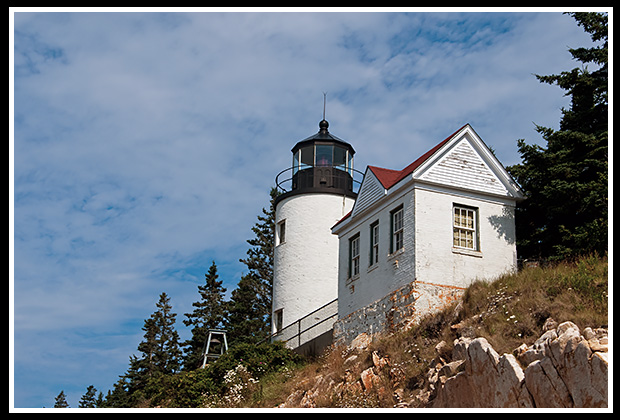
(563, 369)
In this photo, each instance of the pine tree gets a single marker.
(100, 402)
(565, 214)
(88, 400)
(119, 396)
(160, 349)
(250, 305)
(247, 318)
(61, 401)
(208, 314)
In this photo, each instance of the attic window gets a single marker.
(464, 227)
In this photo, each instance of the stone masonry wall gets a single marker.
(398, 309)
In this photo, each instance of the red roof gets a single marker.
(389, 177)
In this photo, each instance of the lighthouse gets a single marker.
(317, 191)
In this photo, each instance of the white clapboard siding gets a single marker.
(370, 192)
(463, 167)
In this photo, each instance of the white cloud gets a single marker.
(146, 143)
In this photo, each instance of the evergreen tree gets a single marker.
(88, 400)
(100, 402)
(208, 314)
(160, 349)
(565, 214)
(61, 401)
(249, 311)
(247, 317)
(119, 396)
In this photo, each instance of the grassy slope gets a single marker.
(507, 312)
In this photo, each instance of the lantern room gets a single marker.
(321, 163)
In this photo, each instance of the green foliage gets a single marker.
(61, 401)
(209, 313)
(566, 184)
(249, 310)
(88, 400)
(259, 359)
(200, 387)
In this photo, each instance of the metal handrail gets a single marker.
(298, 324)
(282, 189)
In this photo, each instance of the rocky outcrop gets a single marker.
(563, 368)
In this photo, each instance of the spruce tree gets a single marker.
(208, 314)
(88, 400)
(119, 396)
(61, 400)
(247, 317)
(565, 213)
(161, 354)
(249, 311)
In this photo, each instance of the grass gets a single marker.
(513, 309)
(507, 312)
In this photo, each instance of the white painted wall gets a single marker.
(428, 254)
(306, 263)
(438, 261)
(391, 272)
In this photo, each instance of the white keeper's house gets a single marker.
(364, 256)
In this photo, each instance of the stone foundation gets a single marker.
(399, 309)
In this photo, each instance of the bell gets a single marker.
(214, 339)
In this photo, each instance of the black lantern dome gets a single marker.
(322, 163)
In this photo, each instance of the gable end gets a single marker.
(370, 191)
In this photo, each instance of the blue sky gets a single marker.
(144, 146)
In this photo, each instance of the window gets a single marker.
(307, 157)
(464, 227)
(397, 230)
(324, 155)
(277, 317)
(340, 158)
(374, 243)
(281, 232)
(354, 256)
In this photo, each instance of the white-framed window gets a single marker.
(464, 227)
(374, 243)
(397, 228)
(354, 256)
(277, 319)
(281, 232)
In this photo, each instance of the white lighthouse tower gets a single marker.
(317, 192)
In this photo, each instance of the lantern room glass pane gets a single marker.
(307, 157)
(296, 162)
(340, 158)
(350, 163)
(324, 155)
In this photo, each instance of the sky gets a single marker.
(143, 146)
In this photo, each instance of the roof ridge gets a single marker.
(390, 177)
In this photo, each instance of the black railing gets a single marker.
(308, 327)
(285, 180)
